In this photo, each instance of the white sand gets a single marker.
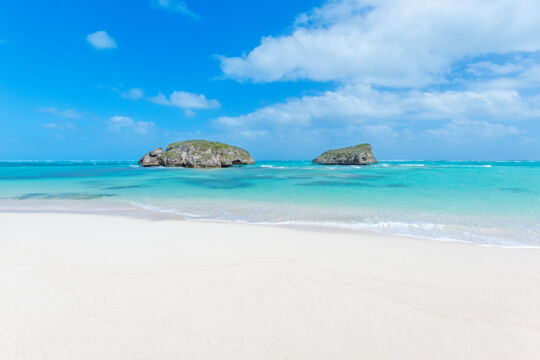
(97, 287)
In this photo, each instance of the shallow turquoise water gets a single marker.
(481, 202)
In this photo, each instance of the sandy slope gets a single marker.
(97, 287)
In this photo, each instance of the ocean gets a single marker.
(484, 203)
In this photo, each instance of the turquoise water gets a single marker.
(495, 203)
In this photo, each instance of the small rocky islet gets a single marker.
(361, 154)
(210, 154)
(197, 154)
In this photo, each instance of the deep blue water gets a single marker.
(481, 202)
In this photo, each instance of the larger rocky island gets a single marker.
(197, 154)
(354, 155)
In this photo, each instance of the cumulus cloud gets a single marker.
(68, 113)
(133, 94)
(382, 132)
(519, 75)
(175, 5)
(101, 40)
(407, 43)
(457, 130)
(358, 113)
(118, 123)
(186, 101)
(489, 68)
(441, 70)
(160, 99)
(362, 103)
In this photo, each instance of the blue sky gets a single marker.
(284, 79)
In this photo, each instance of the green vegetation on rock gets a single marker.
(213, 145)
(197, 154)
(361, 154)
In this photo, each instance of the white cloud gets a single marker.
(101, 40)
(355, 112)
(160, 99)
(56, 126)
(457, 130)
(186, 101)
(441, 70)
(407, 43)
(68, 113)
(489, 68)
(117, 123)
(502, 105)
(383, 132)
(175, 5)
(133, 94)
(351, 103)
(361, 103)
(526, 76)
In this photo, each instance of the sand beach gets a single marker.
(78, 286)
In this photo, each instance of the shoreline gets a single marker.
(304, 226)
(96, 286)
(494, 206)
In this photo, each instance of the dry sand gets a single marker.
(98, 287)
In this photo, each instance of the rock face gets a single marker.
(197, 154)
(152, 158)
(354, 155)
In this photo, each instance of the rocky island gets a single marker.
(197, 154)
(354, 155)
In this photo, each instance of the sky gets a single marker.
(111, 80)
